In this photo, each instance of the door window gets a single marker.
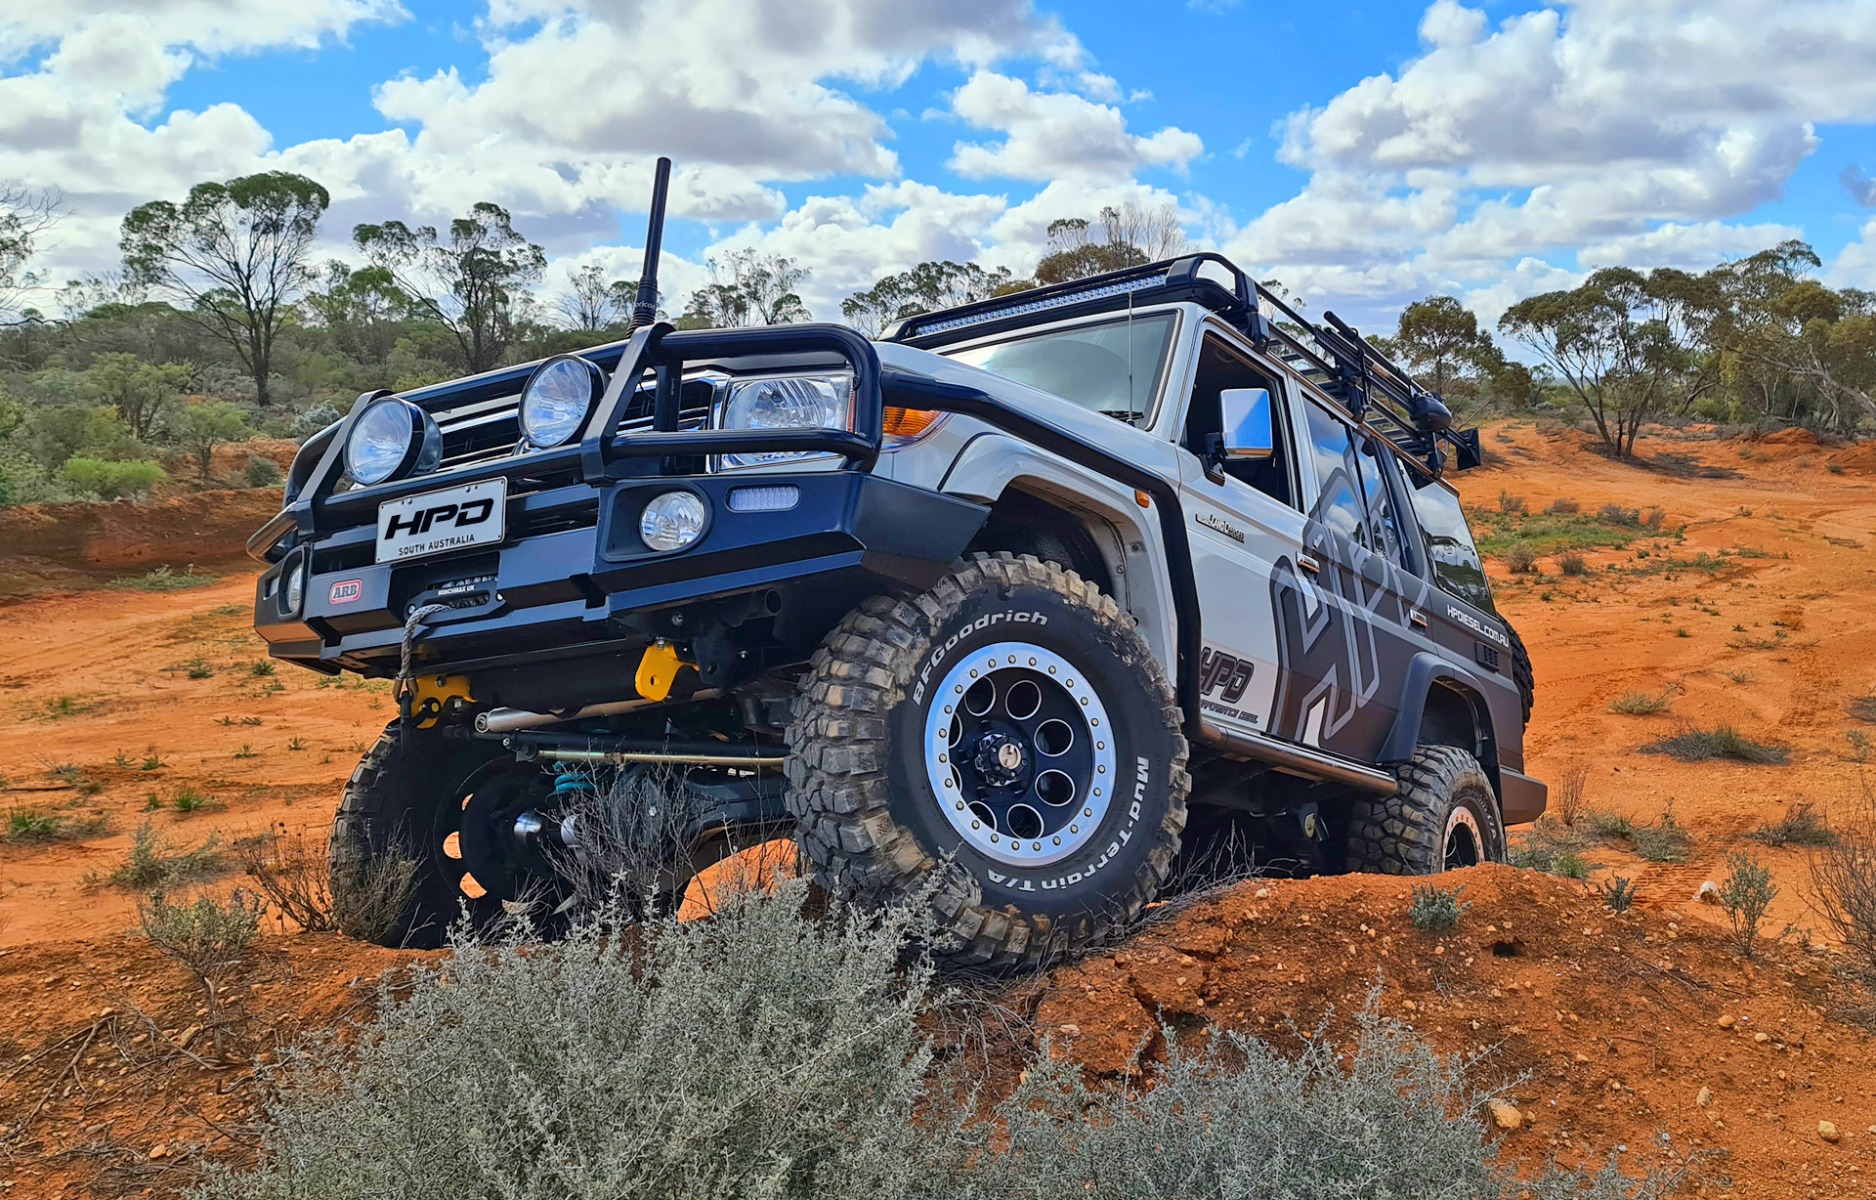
(1455, 560)
(1222, 367)
(1338, 472)
(1383, 529)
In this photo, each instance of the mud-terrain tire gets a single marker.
(403, 799)
(1521, 673)
(864, 788)
(1444, 816)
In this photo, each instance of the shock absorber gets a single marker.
(573, 788)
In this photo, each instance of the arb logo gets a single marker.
(347, 590)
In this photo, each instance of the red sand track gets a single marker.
(1616, 1019)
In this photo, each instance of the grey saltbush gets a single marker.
(770, 1054)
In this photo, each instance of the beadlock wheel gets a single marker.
(1018, 751)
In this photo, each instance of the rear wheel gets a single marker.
(1012, 721)
(1444, 816)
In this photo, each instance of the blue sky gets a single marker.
(1365, 155)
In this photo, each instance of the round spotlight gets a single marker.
(556, 399)
(392, 438)
(672, 521)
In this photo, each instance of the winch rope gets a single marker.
(401, 687)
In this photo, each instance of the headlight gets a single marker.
(557, 398)
(392, 438)
(672, 521)
(796, 402)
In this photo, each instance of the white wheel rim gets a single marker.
(981, 807)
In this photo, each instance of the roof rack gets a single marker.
(1374, 390)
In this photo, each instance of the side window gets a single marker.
(1450, 552)
(1222, 367)
(1383, 529)
(1338, 495)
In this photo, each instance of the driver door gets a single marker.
(1245, 528)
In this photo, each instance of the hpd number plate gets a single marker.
(437, 522)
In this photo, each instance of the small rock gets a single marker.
(1762, 1037)
(1069, 1030)
(1827, 1131)
(160, 1150)
(1727, 1021)
(1707, 893)
(1705, 1098)
(1506, 1116)
(188, 1035)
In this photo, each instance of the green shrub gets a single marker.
(1615, 514)
(1642, 704)
(1722, 741)
(263, 472)
(1800, 826)
(1436, 909)
(1618, 892)
(111, 480)
(162, 579)
(1666, 842)
(765, 1054)
(1745, 894)
(1520, 558)
(1508, 503)
(152, 862)
(1611, 825)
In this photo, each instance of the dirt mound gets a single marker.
(68, 546)
(114, 1087)
(1606, 1027)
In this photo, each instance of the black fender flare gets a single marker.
(1424, 672)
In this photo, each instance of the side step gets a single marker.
(1297, 760)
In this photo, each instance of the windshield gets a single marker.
(1110, 368)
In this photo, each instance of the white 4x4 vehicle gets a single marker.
(992, 612)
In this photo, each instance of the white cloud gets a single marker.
(1594, 128)
(1057, 135)
(1855, 264)
(210, 26)
(1689, 247)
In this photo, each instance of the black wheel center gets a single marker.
(1000, 759)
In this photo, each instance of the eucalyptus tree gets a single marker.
(235, 256)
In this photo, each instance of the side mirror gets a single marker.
(1248, 431)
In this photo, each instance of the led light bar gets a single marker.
(1019, 308)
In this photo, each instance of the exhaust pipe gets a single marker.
(509, 720)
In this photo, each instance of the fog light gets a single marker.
(294, 593)
(672, 521)
(774, 498)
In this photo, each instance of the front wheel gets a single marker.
(441, 811)
(1443, 816)
(1012, 721)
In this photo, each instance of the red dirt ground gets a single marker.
(1614, 1019)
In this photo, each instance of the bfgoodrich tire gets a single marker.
(1444, 816)
(1004, 745)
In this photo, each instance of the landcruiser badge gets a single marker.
(345, 591)
(1221, 525)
